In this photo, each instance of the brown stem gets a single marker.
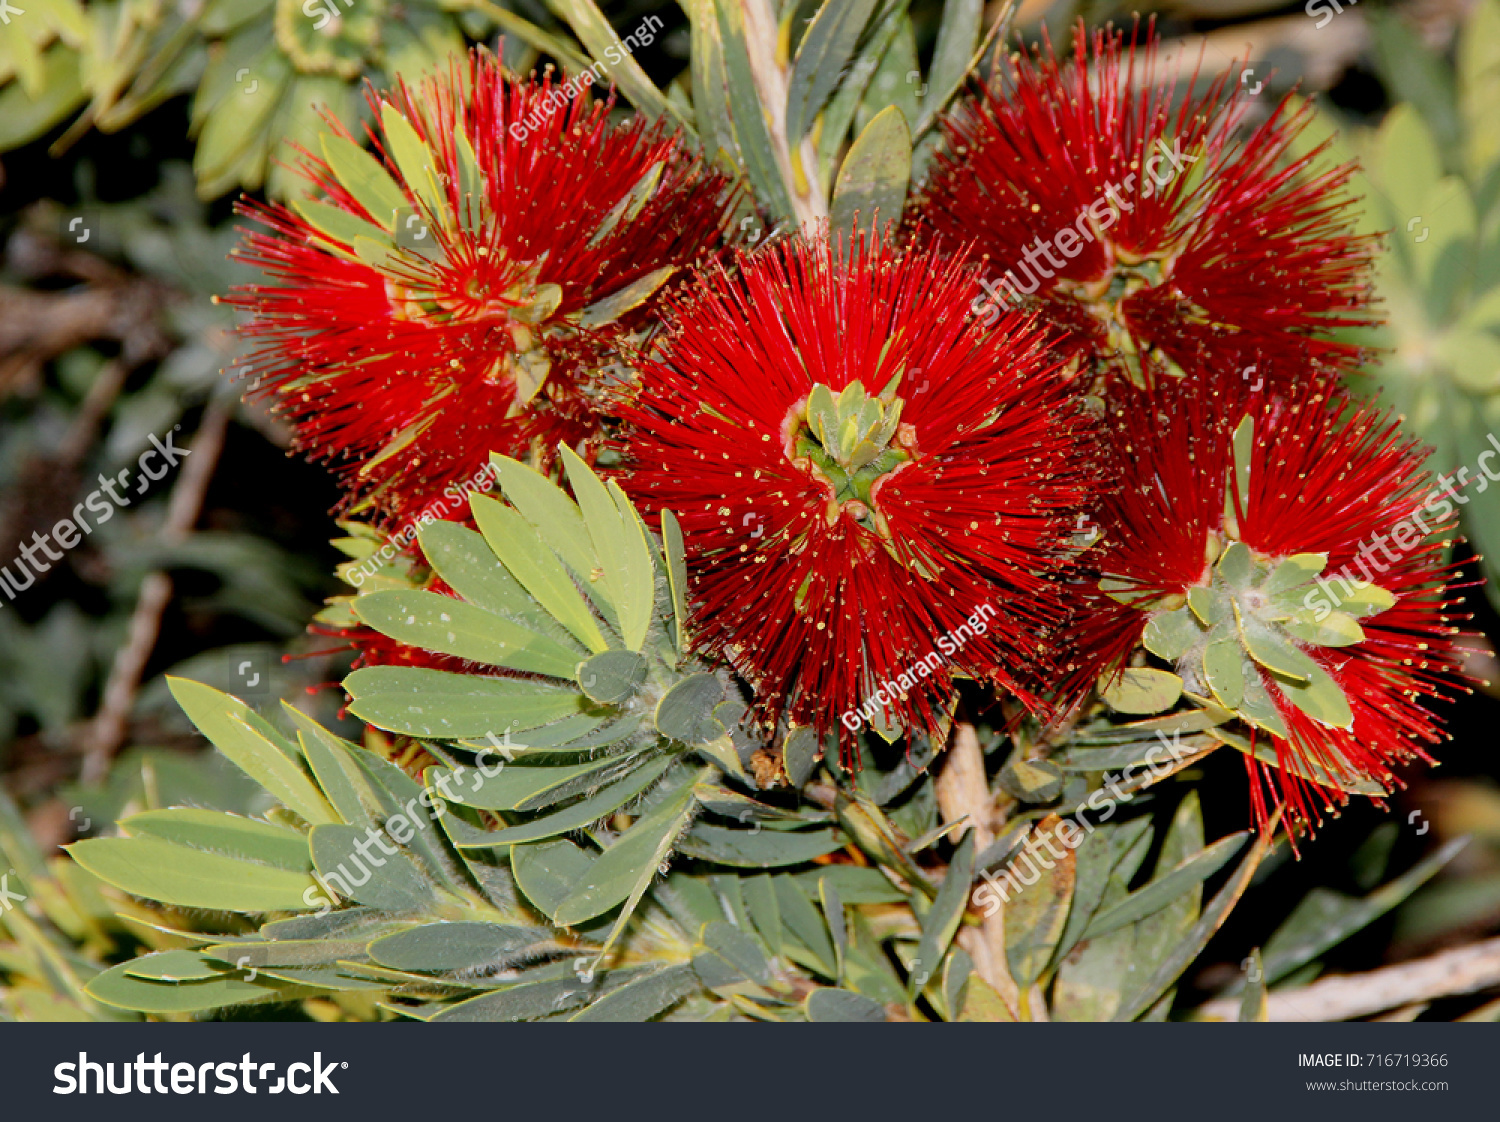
(111, 725)
(963, 791)
(1339, 998)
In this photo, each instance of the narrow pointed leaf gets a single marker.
(449, 626)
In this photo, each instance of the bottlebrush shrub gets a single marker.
(861, 469)
(466, 293)
(1290, 569)
(638, 806)
(1159, 244)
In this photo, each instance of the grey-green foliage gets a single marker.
(1431, 180)
(515, 889)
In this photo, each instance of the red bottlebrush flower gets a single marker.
(875, 495)
(1291, 569)
(462, 298)
(1153, 239)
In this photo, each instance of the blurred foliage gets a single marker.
(1431, 182)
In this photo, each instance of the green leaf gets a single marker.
(192, 878)
(25, 116)
(757, 850)
(833, 915)
(391, 882)
(1224, 667)
(619, 541)
(248, 742)
(18, 848)
(1143, 690)
(1257, 708)
(804, 923)
(1192, 944)
(1169, 634)
(643, 998)
(1032, 781)
(578, 816)
(523, 1002)
(746, 115)
(826, 1006)
(1320, 698)
(1254, 1007)
(1166, 888)
(958, 36)
(300, 121)
(1034, 920)
(548, 872)
(594, 31)
(235, 131)
(438, 704)
(800, 752)
(394, 795)
(174, 966)
(839, 114)
(737, 949)
(118, 987)
(435, 622)
(874, 175)
(550, 512)
(634, 584)
(826, 48)
(463, 559)
(1203, 604)
(941, 922)
(286, 953)
(1280, 658)
(1094, 861)
(676, 557)
(1235, 564)
(623, 872)
(413, 160)
(1156, 934)
(558, 46)
(1473, 359)
(365, 179)
(686, 711)
(612, 677)
(708, 82)
(956, 971)
(1337, 630)
(537, 568)
(1324, 918)
(1418, 76)
(629, 208)
(1239, 472)
(625, 299)
(446, 947)
(528, 785)
(228, 834)
(336, 224)
(765, 913)
(1294, 572)
(1091, 977)
(1368, 600)
(569, 737)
